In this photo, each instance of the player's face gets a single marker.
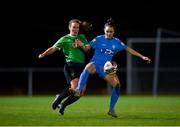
(109, 32)
(74, 29)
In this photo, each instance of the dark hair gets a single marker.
(110, 22)
(84, 25)
(74, 21)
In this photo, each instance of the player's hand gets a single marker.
(147, 59)
(40, 56)
(78, 43)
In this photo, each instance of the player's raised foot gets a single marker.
(56, 102)
(112, 113)
(61, 109)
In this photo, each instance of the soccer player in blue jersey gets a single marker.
(105, 47)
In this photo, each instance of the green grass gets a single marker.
(91, 111)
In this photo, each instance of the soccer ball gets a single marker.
(110, 67)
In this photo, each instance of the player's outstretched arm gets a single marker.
(49, 51)
(135, 53)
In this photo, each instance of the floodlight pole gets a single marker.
(157, 57)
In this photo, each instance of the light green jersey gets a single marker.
(72, 54)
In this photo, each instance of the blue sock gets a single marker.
(83, 79)
(114, 97)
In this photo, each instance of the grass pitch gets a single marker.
(91, 111)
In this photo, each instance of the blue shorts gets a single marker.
(99, 69)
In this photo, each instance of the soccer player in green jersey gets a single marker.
(75, 61)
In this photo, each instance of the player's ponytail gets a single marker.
(110, 22)
(85, 26)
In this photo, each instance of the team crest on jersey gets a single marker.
(113, 46)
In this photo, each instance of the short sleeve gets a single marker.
(59, 44)
(93, 43)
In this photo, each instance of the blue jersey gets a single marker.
(105, 50)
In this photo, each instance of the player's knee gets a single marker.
(115, 83)
(74, 83)
(91, 68)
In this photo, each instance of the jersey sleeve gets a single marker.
(122, 46)
(93, 43)
(59, 44)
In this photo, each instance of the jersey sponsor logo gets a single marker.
(107, 51)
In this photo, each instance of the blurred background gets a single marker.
(27, 28)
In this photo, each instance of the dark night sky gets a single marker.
(28, 28)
